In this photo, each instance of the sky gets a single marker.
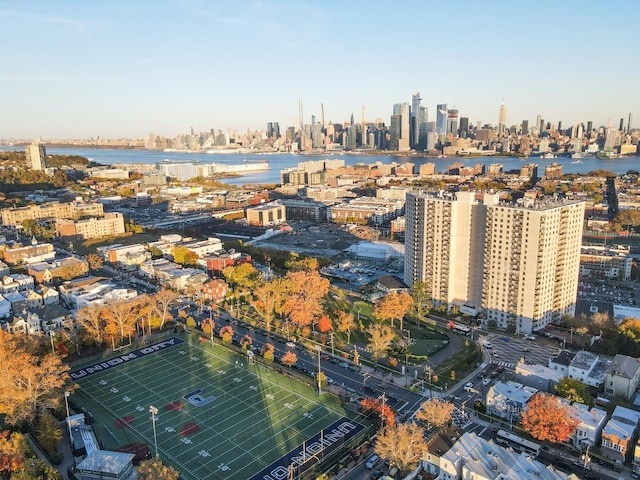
(125, 68)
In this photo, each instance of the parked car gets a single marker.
(468, 387)
(376, 474)
(373, 461)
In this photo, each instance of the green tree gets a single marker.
(421, 295)
(574, 390)
(184, 256)
(48, 434)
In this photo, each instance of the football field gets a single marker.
(219, 417)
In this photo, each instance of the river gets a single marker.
(278, 162)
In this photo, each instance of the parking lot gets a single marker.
(620, 293)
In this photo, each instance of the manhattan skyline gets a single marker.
(123, 69)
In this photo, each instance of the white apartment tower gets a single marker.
(36, 155)
(520, 263)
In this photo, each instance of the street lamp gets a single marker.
(154, 411)
(66, 402)
(53, 350)
(364, 379)
(319, 348)
(587, 459)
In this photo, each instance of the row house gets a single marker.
(40, 320)
(619, 435)
(127, 256)
(590, 424)
(217, 263)
(472, 457)
(585, 366)
(17, 282)
(57, 270)
(622, 378)
(4, 269)
(36, 252)
(507, 400)
(93, 291)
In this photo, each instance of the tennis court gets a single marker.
(218, 416)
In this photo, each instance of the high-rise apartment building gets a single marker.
(518, 262)
(404, 111)
(36, 155)
(452, 122)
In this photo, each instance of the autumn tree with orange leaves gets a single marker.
(307, 289)
(289, 359)
(324, 324)
(392, 306)
(226, 334)
(374, 407)
(547, 419)
(435, 412)
(29, 384)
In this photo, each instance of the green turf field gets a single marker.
(218, 417)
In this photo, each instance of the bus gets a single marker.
(508, 439)
(459, 328)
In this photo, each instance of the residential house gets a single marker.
(585, 366)
(128, 256)
(391, 284)
(5, 307)
(50, 296)
(26, 322)
(4, 269)
(473, 457)
(34, 299)
(437, 445)
(623, 376)
(214, 290)
(590, 425)
(53, 317)
(507, 400)
(29, 254)
(619, 434)
(538, 376)
(18, 302)
(8, 285)
(58, 270)
(25, 282)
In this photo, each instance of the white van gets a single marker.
(373, 461)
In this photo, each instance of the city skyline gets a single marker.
(128, 68)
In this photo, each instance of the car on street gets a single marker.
(530, 337)
(486, 381)
(500, 369)
(468, 387)
(344, 365)
(376, 474)
(290, 345)
(372, 462)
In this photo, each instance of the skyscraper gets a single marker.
(404, 110)
(415, 129)
(502, 118)
(525, 127)
(519, 263)
(441, 119)
(464, 127)
(452, 122)
(36, 155)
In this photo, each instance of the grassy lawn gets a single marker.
(89, 246)
(218, 417)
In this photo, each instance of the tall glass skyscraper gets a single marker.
(441, 119)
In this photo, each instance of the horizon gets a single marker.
(125, 69)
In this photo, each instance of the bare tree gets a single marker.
(163, 301)
(92, 320)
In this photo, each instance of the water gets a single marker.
(278, 162)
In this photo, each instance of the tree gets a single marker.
(29, 384)
(226, 334)
(269, 299)
(373, 406)
(154, 469)
(380, 337)
(402, 444)
(13, 452)
(435, 412)
(121, 317)
(324, 324)
(421, 295)
(393, 305)
(574, 390)
(546, 419)
(346, 323)
(295, 264)
(243, 276)
(95, 261)
(163, 301)
(289, 359)
(48, 434)
(268, 352)
(246, 342)
(307, 290)
(184, 256)
(93, 322)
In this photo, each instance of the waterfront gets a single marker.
(278, 162)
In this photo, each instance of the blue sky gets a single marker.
(124, 68)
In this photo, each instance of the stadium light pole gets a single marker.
(154, 411)
(66, 403)
(319, 348)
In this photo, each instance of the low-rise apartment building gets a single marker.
(54, 210)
